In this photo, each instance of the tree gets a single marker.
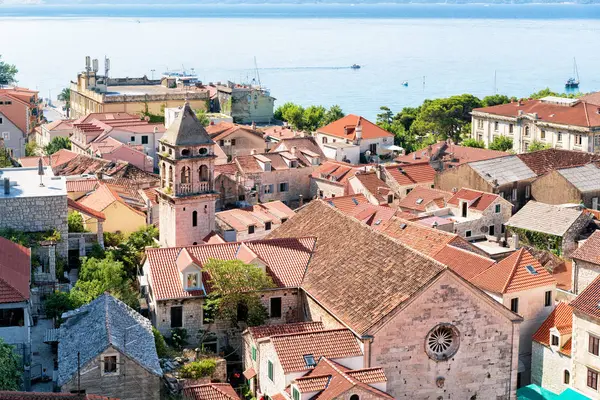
(313, 118)
(75, 222)
(159, 342)
(537, 146)
(234, 291)
(31, 148)
(333, 114)
(10, 370)
(547, 92)
(8, 73)
(494, 100)
(58, 303)
(131, 250)
(501, 143)
(407, 116)
(202, 117)
(385, 117)
(294, 115)
(57, 144)
(65, 95)
(470, 142)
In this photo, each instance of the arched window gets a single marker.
(203, 173)
(567, 377)
(354, 397)
(195, 218)
(526, 131)
(185, 175)
(185, 152)
(170, 174)
(163, 174)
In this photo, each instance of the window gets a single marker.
(283, 187)
(145, 139)
(109, 365)
(195, 218)
(192, 280)
(267, 226)
(251, 229)
(408, 190)
(293, 164)
(567, 377)
(496, 126)
(309, 360)
(527, 191)
(526, 146)
(491, 230)
(12, 317)
(592, 379)
(321, 194)
(253, 353)
(324, 140)
(283, 220)
(498, 208)
(268, 189)
(390, 198)
(221, 143)
(542, 134)
(511, 128)
(595, 203)
(233, 142)
(468, 234)
(480, 124)
(577, 140)
(275, 307)
(514, 305)
(442, 342)
(548, 298)
(203, 151)
(514, 194)
(555, 340)
(296, 394)
(373, 148)
(6, 136)
(526, 131)
(502, 229)
(559, 137)
(593, 345)
(132, 140)
(354, 397)
(176, 317)
(270, 370)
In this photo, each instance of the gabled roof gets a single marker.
(503, 170)
(59, 125)
(372, 215)
(239, 219)
(347, 203)
(60, 157)
(375, 186)
(222, 130)
(15, 272)
(588, 301)
(411, 174)
(449, 153)
(517, 272)
(286, 261)
(560, 318)
(105, 195)
(210, 391)
(336, 172)
(465, 263)
(186, 130)
(381, 272)
(90, 212)
(547, 160)
(332, 380)
(546, 218)
(262, 331)
(590, 250)
(249, 164)
(585, 178)
(307, 143)
(479, 201)
(333, 343)
(82, 185)
(92, 328)
(420, 197)
(346, 128)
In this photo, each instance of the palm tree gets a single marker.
(65, 96)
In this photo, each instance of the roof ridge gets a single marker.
(306, 377)
(310, 332)
(12, 287)
(514, 268)
(106, 315)
(342, 373)
(466, 251)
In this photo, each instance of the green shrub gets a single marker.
(75, 222)
(113, 239)
(159, 341)
(179, 338)
(198, 369)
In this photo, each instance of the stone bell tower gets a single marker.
(187, 195)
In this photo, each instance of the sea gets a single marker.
(303, 52)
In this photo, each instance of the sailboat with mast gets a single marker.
(573, 82)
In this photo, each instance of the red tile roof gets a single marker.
(450, 154)
(240, 219)
(544, 161)
(512, 275)
(368, 375)
(82, 185)
(560, 318)
(347, 203)
(106, 194)
(90, 212)
(15, 272)
(60, 157)
(420, 197)
(346, 128)
(210, 391)
(336, 172)
(375, 186)
(224, 129)
(425, 240)
(479, 201)
(59, 125)
(262, 331)
(590, 250)
(333, 343)
(588, 301)
(465, 263)
(411, 174)
(580, 114)
(286, 261)
(372, 215)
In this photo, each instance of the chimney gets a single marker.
(515, 238)
(301, 201)
(429, 150)
(293, 150)
(253, 151)
(7, 186)
(156, 129)
(414, 155)
(358, 131)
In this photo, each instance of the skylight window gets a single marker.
(355, 201)
(531, 270)
(402, 226)
(378, 222)
(331, 203)
(309, 359)
(419, 200)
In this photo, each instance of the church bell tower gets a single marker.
(187, 195)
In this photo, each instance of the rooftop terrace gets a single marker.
(25, 182)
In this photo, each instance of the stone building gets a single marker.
(246, 104)
(187, 192)
(404, 178)
(12, 139)
(399, 303)
(373, 188)
(252, 223)
(561, 225)
(237, 140)
(551, 366)
(579, 185)
(330, 179)
(563, 123)
(27, 206)
(59, 128)
(107, 348)
(586, 263)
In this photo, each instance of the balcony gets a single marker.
(184, 189)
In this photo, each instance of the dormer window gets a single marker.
(555, 340)
(309, 359)
(192, 280)
(293, 164)
(267, 167)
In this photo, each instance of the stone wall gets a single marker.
(553, 188)
(570, 238)
(485, 219)
(585, 273)
(329, 189)
(176, 228)
(484, 367)
(298, 180)
(37, 214)
(548, 368)
(314, 312)
(582, 359)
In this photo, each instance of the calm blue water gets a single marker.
(303, 51)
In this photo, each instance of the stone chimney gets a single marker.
(358, 131)
(293, 150)
(99, 175)
(301, 201)
(515, 238)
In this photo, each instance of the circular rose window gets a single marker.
(442, 342)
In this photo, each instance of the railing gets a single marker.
(204, 186)
(184, 188)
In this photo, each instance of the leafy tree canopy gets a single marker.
(202, 117)
(537, 145)
(75, 222)
(57, 144)
(8, 73)
(473, 143)
(501, 143)
(307, 119)
(10, 371)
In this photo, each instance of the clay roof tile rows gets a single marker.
(420, 197)
(412, 174)
(590, 250)
(480, 200)
(544, 161)
(15, 272)
(346, 128)
(588, 301)
(262, 331)
(561, 318)
(210, 391)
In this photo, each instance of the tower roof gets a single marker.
(186, 130)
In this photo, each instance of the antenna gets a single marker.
(95, 64)
(106, 68)
(257, 74)
(87, 63)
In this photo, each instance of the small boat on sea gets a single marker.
(573, 83)
(405, 83)
(355, 66)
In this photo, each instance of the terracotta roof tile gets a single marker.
(334, 343)
(478, 200)
(210, 391)
(412, 174)
(313, 383)
(372, 215)
(588, 301)
(347, 203)
(336, 172)
(368, 375)
(425, 240)
(450, 154)
(81, 185)
(240, 219)
(561, 318)
(302, 144)
(590, 250)
(262, 331)
(346, 128)
(15, 272)
(72, 204)
(512, 274)
(420, 197)
(547, 160)
(375, 186)
(465, 263)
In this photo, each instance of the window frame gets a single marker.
(104, 364)
(268, 226)
(498, 209)
(286, 187)
(553, 339)
(295, 394)
(270, 372)
(271, 315)
(253, 353)
(468, 233)
(514, 305)
(144, 139)
(593, 374)
(593, 344)
(251, 229)
(171, 317)
(548, 298)
(187, 280)
(566, 377)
